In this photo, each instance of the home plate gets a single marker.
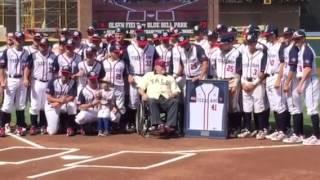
(74, 157)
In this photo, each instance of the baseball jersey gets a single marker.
(87, 95)
(43, 67)
(72, 62)
(114, 71)
(286, 52)
(176, 59)
(87, 69)
(80, 50)
(206, 108)
(122, 46)
(57, 89)
(191, 59)
(212, 72)
(107, 98)
(14, 61)
(204, 43)
(31, 49)
(140, 60)
(306, 58)
(226, 65)
(253, 64)
(274, 58)
(165, 53)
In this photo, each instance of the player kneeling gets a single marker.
(61, 93)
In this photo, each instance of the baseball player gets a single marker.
(193, 59)
(34, 47)
(44, 66)
(308, 85)
(61, 93)
(200, 38)
(274, 82)
(164, 51)
(88, 101)
(120, 42)
(59, 48)
(210, 51)
(155, 41)
(14, 78)
(253, 90)
(90, 64)
(294, 99)
(139, 58)
(69, 57)
(115, 72)
(79, 46)
(226, 63)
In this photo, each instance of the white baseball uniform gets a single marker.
(252, 66)
(72, 62)
(165, 53)
(114, 73)
(206, 108)
(57, 88)
(307, 58)
(227, 66)
(277, 100)
(294, 99)
(31, 49)
(43, 68)
(14, 61)
(83, 66)
(140, 61)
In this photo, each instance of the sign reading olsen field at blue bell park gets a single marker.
(206, 108)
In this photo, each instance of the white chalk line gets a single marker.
(49, 172)
(25, 141)
(65, 151)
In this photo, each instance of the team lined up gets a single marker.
(274, 73)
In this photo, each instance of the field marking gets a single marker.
(74, 157)
(238, 148)
(26, 141)
(49, 172)
(65, 151)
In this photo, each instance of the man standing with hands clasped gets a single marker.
(161, 93)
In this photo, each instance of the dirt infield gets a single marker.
(134, 157)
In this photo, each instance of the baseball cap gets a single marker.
(108, 36)
(226, 38)
(212, 35)
(64, 31)
(183, 39)
(63, 41)
(288, 30)
(120, 30)
(221, 28)
(299, 34)
(92, 76)
(196, 30)
(252, 38)
(66, 70)
(91, 49)
(76, 34)
(165, 35)
(155, 36)
(37, 36)
(96, 37)
(44, 41)
(139, 29)
(70, 43)
(141, 37)
(19, 35)
(91, 30)
(114, 48)
(160, 62)
(270, 30)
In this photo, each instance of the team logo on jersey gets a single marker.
(293, 59)
(307, 61)
(193, 98)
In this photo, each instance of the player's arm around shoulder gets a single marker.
(174, 88)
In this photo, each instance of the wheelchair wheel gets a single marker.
(140, 118)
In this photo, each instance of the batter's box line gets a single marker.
(65, 151)
(183, 155)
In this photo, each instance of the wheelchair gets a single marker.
(143, 119)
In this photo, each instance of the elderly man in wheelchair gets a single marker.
(160, 92)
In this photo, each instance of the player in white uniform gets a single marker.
(115, 73)
(210, 51)
(294, 99)
(61, 93)
(200, 38)
(44, 67)
(14, 79)
(164, 51)
(253, 90)
(226, 62)
(140, 57)
(90, 64)
(34, 47)
(274, 82)
(79, 46)
(308, 85)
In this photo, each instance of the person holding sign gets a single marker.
(161, 92)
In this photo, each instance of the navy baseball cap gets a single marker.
(226, 38)
(183, 40)
(70, 43)
(96, 37)
(196, 30)
(37, 36)
(299, 34)
(91, 49)
(91, 30)
(63, 41)
(270, 30)
(141, 37)
(155, 35)
(66, 70)
(64, 31)
(92, 76)
(288, 31)
(114, 48)
(221, 28)
(19, 35)
(120, 30)
(252, 38)
(139, 29)
(44, 41)
(76, 34)
(212, 35)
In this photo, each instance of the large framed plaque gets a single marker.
(206, 108)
